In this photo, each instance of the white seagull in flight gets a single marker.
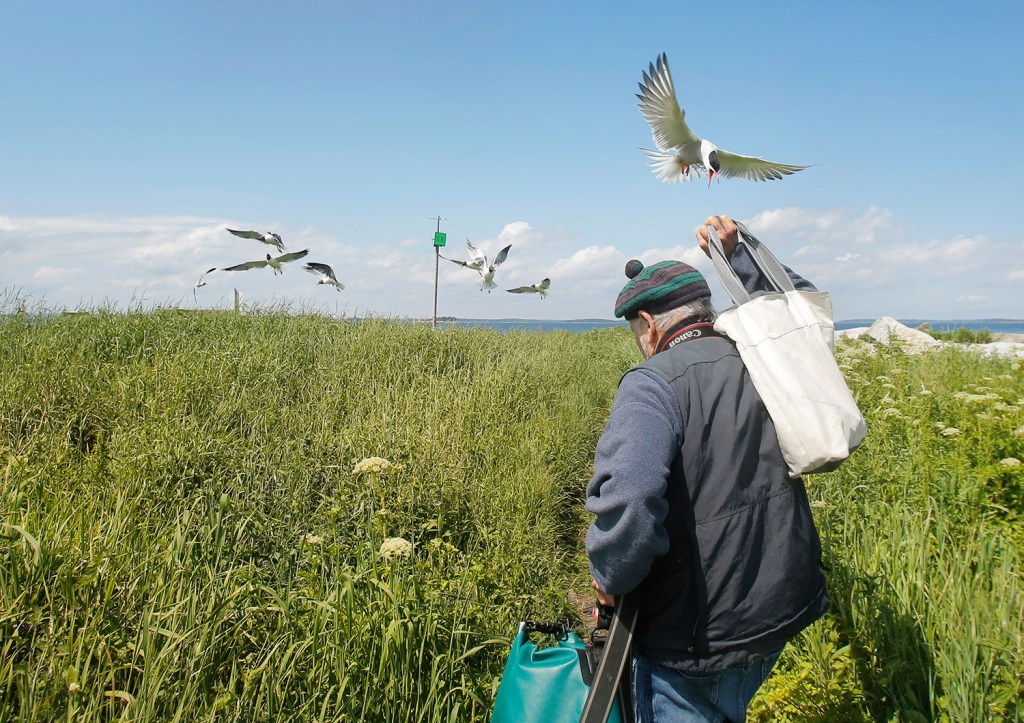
(269, 237)
(272, 262)
(541, 288)
(201, 282)
(680, 149)
(325, 273)
(480, 265)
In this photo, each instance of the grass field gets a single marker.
(212, 516)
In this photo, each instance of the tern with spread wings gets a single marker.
(541, 288)
(480, 264)
(270, 238)
(271, 261)
(325, 274)
(680, 150)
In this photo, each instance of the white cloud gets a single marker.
(53, 275)
(815, 226)
(588, 263)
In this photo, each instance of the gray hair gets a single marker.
(694, 312)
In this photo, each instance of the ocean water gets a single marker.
(1001, 326)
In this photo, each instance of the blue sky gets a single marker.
(133, 133)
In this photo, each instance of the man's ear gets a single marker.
(650, 335)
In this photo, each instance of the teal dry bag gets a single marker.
(546, 685)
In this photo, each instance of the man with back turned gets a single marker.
(697, 518)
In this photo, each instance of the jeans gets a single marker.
(665, 695)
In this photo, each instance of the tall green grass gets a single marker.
(924, 535)
(185, 534)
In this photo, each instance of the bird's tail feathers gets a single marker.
(668, 168)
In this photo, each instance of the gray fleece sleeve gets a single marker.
(631, 470)
(753, 280)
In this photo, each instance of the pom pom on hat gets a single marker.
(659, 287)
(633, 268)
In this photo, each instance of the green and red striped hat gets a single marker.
(658, 287)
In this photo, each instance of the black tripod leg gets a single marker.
(615, 660)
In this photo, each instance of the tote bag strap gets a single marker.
(763, 259)
(730, 281)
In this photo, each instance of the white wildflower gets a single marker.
(313, 540)
(372, 464)
(891, 412)
(1019, 431)
(950, 432)
(819, 504)
(395, 547)
(940, 426)
(1010, 462)
(975, 398)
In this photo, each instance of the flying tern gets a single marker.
(541, 288)
(269, 237)
(272, 262)
(480, 264)
(201, 282)
(680, 150)
(325, 273)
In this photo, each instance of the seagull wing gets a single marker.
(751, 168)
(295, 255)
(201, 282)
(247, 234)
(323, 271)
(476, 265)
(247, 265)
(500, 258)
(479, 260)
(661, 110)
(522, 290)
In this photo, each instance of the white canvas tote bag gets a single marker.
(785, 339)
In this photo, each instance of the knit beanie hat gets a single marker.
(659, 287)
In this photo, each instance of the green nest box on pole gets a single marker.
(439, 238)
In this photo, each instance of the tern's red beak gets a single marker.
(711, 174)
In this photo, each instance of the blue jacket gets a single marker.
(696, 514)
